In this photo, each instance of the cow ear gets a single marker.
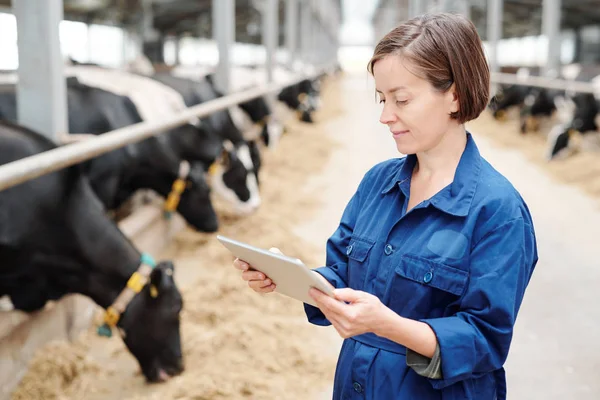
(227, 153)
(161, 279)
(225, 158)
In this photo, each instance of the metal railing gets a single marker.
(544, 82)
(31, 167)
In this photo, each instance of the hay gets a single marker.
(237, 344)
(58, 373)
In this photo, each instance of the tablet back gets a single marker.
(291, 276)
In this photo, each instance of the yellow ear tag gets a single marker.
(153, 291)
(214, 167)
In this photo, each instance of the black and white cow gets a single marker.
(117, 175)
(302, 97)
(506, 97)
(583, 122)
(539, 104)
(255, 118)
(579, 112)
(56, 239)
(245, 176)
(548, 104)
(233, 175)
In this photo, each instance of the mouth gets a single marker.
(398, 134)
(162, 375)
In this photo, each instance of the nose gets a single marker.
(249, 207)
(387, 117)
(178, 368)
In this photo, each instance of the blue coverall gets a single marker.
(459, 261)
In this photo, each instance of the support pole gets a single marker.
(495, 12)
(223, 23)
(291, 30)
(270, 34)
(41, 89)
(551, 29)
(152, 41)
(305, 28)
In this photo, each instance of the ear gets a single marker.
(265, 135)
(454, 105)
(225, 158)
(161, 279)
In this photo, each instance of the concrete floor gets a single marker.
(554, 353)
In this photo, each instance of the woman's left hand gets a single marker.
(363, 313)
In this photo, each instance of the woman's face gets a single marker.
(418, 116)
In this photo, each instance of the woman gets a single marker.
(434, 250)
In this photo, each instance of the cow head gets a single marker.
(232, 169)
(259, 113)
(559, 139)
(195, 204)
(150, 326)
(312, 88)
(234, 178)
(507, 97)
(578, 116)
(296, 97)
(196, 143)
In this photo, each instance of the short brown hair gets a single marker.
(445, 49)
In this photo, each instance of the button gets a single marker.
(357, 387)
(348, 250)
(388, 249)
(428, 277)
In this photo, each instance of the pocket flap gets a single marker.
(359, 248)
(427, 272)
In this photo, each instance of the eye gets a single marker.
(401, 102)
(381, 101)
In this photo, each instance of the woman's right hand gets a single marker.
(257, 281)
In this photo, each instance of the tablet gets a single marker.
(292, 277)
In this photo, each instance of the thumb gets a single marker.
(275, 250)
(347, 294)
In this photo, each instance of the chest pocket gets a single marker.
(421, 288)
(357, 251)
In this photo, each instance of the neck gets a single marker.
(108, 258)
(442, 160)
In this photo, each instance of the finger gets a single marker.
(316, 294)
(260, 284)
(267, 282)
(337, 324)
(253, 276)
(267, 289)
(330, 312)
(241, 265)
(347, 294)
(327, 301)
(322, 278)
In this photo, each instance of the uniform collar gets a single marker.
(457, 197)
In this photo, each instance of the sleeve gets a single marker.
(476, 339)
(428, 367)
(336, 269)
